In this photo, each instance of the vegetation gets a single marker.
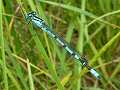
(30, 60)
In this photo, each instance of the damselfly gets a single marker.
(32, 16)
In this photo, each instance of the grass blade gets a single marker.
(30, 76)
(2, 50)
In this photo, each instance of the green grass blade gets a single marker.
(15, 82)
(49, 64)
(5, 80)
(105, 47)
(31, 82)
(78, 10)
(103, 16)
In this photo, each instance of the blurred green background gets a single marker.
(30, 60)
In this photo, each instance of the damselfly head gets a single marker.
(30, 15)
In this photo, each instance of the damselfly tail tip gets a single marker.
(96, 74)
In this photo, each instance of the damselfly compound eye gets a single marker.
(34, 13)
(30, 15)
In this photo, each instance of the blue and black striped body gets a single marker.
(32, 16)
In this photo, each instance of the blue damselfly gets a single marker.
(33, 17)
